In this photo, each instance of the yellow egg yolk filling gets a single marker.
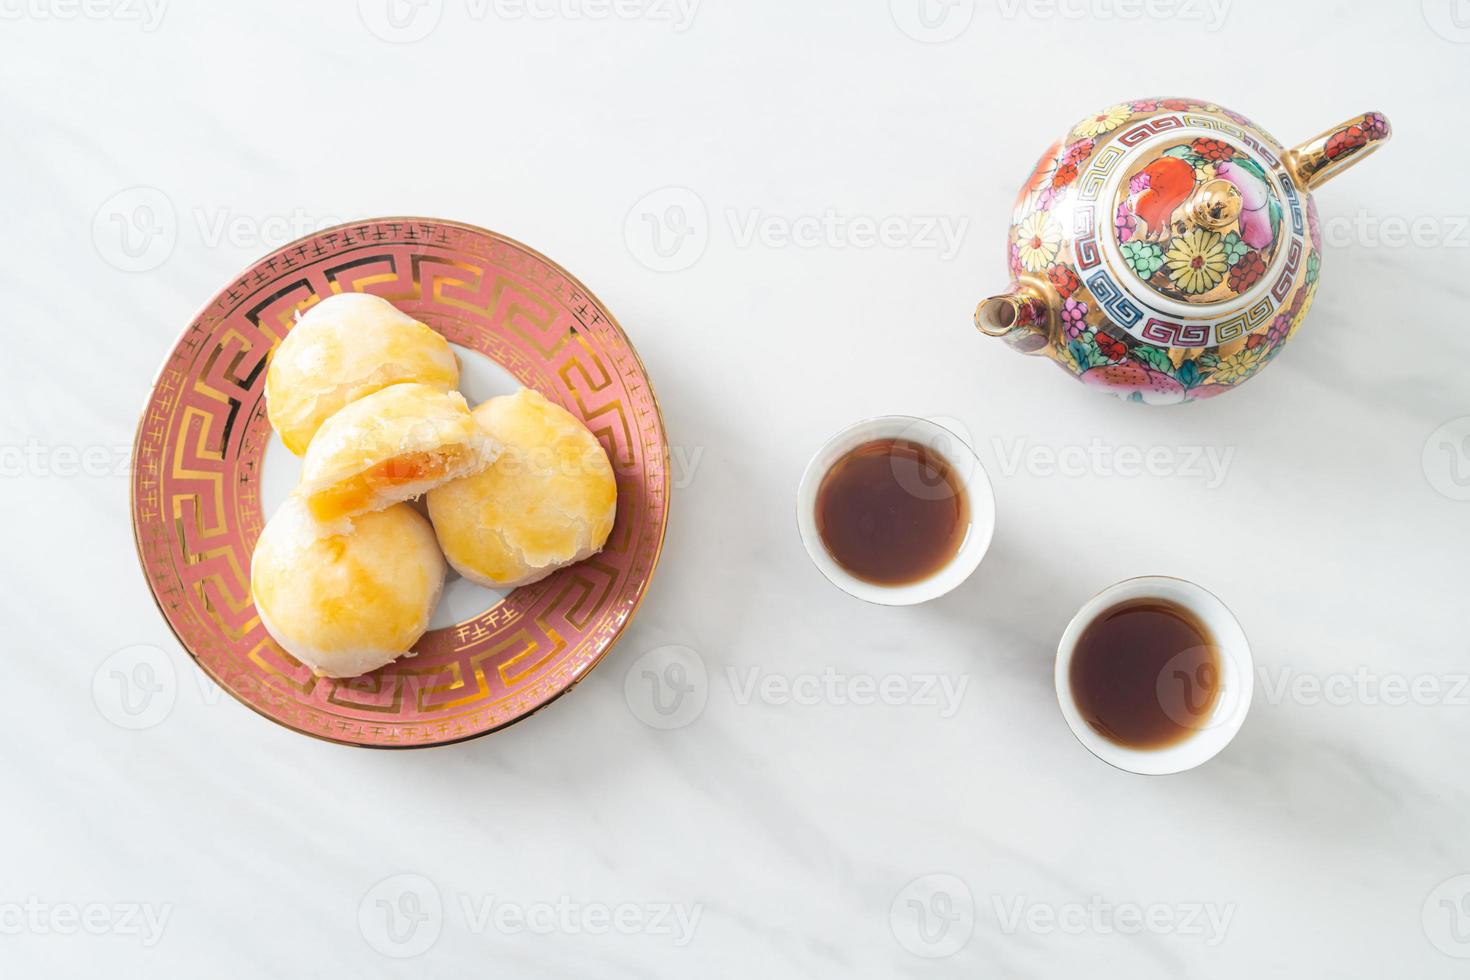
(358, 494)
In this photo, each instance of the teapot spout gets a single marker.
(1024, 316)
(1329, 153)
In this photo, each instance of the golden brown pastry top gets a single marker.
(346, 603)
(347, 346)
(549, 499)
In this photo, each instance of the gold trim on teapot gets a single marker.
(1166, 249)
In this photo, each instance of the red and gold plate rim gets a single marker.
(200, 440)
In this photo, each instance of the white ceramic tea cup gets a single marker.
(969, 474)
(1235, 682)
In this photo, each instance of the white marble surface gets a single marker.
(786, 829)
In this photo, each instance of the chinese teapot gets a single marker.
(1165, 250)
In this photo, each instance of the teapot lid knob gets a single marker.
(1216, 204)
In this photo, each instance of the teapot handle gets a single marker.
(1328, 154)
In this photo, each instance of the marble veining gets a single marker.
(792, 210)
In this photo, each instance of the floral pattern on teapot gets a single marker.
(1174, 245)
(1198, 258)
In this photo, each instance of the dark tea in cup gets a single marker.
(892, 511)
(1146, 673)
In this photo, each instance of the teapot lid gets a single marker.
(1196, 219)
(1187, 226)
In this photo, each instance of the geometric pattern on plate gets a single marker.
(197, 464)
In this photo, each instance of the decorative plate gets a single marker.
(208, 470)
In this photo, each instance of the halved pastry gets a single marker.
(345, 604)
(549, 500)
(390, 446)
(343, 348)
